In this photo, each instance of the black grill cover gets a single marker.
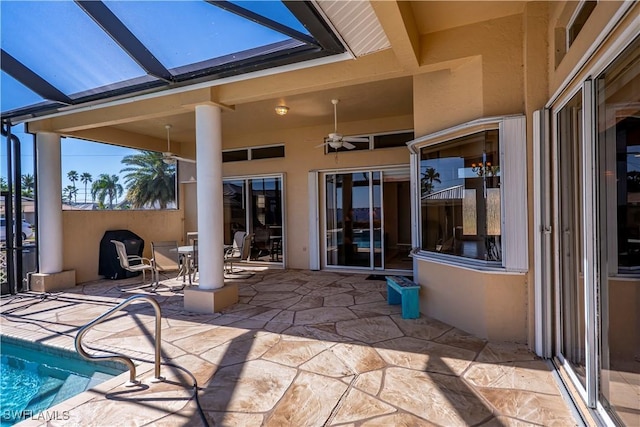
(109, 265)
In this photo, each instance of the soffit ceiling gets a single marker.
(367, 101)
(433, 16)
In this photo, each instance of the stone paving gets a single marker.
(301, 348)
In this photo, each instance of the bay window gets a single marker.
(471, 195)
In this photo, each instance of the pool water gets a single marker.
(35, 378)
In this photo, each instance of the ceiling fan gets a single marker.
(168, 157)
(335, 140)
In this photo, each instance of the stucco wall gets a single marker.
(302, 156)
(488, 305)
(83, 231)
(483, 80)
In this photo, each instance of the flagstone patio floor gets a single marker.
(301, 348)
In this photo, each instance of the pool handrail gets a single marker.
(124, 359)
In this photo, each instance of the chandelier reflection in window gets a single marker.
(485, 169)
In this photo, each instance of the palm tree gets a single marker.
(28, 184)
(429, 176)
(106, 186)
(149, 180)
(86, 178)
(3, 184)
(73, 177)
(69, 193)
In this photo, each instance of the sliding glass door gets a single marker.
(597, 263)
(362, 229)
(617, 153)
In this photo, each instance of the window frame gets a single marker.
(513, 193)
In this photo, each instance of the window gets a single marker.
(471, 194)
(253, 153)
(267, 152)
(579, 19)
(392, 140)
(235, 156)
(460, 197)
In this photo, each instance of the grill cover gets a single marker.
(109, 264)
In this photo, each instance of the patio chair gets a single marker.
(166, 258)
(240, 251)
(136, 264)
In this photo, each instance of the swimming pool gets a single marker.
(36, 377)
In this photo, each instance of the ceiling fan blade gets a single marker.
(168, 157)
(321, 145)
(355, 139)
(348, 145)
(184, 159)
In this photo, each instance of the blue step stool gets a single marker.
(401, 290)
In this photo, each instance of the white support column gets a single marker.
(50, 276)
(211, 295)
(209, 194)
(49, 202)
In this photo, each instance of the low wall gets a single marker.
(489, 305)
(83, 231)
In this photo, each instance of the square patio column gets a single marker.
(50, 275)
(211, 294)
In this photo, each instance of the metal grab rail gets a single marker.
(126, 360)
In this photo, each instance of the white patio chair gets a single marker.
(136, 264)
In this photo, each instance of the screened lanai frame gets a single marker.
(294, 32)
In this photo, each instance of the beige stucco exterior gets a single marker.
(488, 305)
(493, 59)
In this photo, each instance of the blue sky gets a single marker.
(61, 43)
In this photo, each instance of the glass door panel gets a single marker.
(618, 96)
(348, 219)
(235, 210)
(376, 220)
(570, 217)
(266, 214)
(397, 219)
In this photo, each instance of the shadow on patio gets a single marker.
(301, 348)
